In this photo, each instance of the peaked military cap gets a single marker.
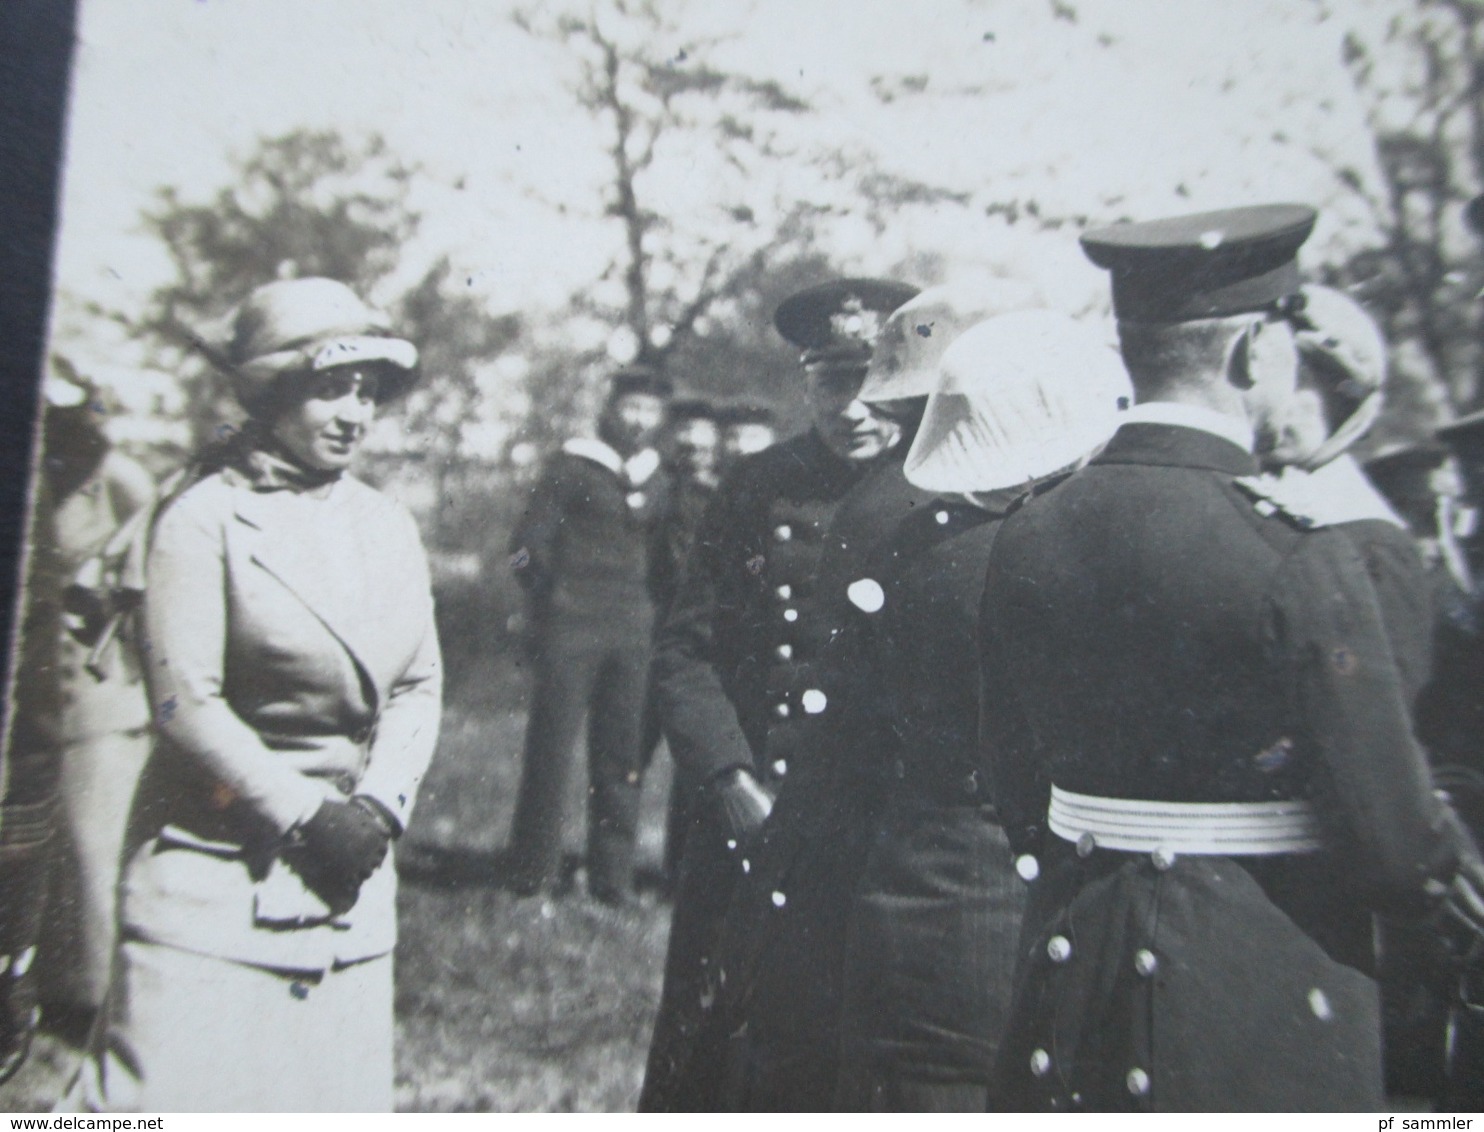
(1206, 265)
(640, 379)
(839, 320)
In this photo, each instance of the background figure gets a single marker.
(727, 666)
(747, 428)
(585, 551)
(296, 688)
(104, 722)
(1342, 370)
(936, 912)
(693, 449)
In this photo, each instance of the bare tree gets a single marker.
(1424, 88)
(670, 114)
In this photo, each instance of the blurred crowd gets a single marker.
(1055, 725)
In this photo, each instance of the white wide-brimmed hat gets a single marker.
(912, 340)
(1019, 398)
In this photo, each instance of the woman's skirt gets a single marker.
(183, 1032)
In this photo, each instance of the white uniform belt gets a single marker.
(1235, 829)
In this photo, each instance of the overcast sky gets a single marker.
(1137, 97)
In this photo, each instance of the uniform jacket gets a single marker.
(732, 664)
(1164, 640)
(291, 657)
(585, 545)
(744, 617)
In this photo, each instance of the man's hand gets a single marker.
(744, 804)
(338, 849)
(1463, 902)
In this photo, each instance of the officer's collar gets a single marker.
(1224, 425)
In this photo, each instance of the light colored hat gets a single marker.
(1020, 397)
(1342, 344)
(912, 340)
(307, 325)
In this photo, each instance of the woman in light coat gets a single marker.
(295, 685)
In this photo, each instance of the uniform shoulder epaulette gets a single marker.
(1271, 499)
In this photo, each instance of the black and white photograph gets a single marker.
(766, 556)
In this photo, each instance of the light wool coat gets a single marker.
(291, 657)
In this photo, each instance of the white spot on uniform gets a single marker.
(1059, 948)
(866, 595)
(24, 960)
(814, 701)
(1040, 1063)
(780, 767)
(1213, 239)
(1319, 1004)
(942, 517)
(779, 900)
(1138, 1082)
(1027, 867)
(790, 614)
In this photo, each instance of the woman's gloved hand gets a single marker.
(338, 849)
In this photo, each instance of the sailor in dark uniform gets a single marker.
(741, 624)
(1212, 761)
(584, 551)
(931, 943)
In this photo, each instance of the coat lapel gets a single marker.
(293, 544)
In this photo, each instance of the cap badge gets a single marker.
(854, 321)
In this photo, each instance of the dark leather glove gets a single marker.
(338, 849)
(743, 803)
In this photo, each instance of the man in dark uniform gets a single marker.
(727, 662)
(1212, 760)
(583, 550)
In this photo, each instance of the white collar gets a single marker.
(635, 470)
(1342, 494)
(1224, 425)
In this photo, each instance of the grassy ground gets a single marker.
(503, 1004)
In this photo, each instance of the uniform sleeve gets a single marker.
(699, 719)
(1020, 778)
(1405, 598)
(185, 616)
(1370, 782)
(407, 730)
